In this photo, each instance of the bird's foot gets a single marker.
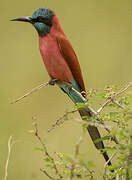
(52, 82)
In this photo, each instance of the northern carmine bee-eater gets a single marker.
(61, 62)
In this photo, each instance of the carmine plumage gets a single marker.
(61, 61)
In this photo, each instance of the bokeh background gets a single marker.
(101, 34)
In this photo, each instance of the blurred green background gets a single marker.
(101, 34)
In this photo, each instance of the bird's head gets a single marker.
(41, 19)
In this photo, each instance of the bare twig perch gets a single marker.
(85, 100)
(51, 82)
(31, 92)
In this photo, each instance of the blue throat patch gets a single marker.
(41, 28)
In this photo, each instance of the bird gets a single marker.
(62, 64)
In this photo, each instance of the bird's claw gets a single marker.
(52, 82)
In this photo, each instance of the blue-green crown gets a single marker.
(43, 12)
(42, 20)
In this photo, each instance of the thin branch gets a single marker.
(96, 115)
(75, 161)
(118, 104)
(10, 144)
(104, 174)
(117, 177)
(61, 159)
(112, 99)
(45, 150)
(124, 89)
(79, 94)
(106, 127)
(59, 120)
(8, 157)
(47, 174)
(103, 105)
(84, 100)
(31, 92)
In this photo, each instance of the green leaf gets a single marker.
(80, 105)
(106, 137)
(67, 158)
(47, 159)
(124, 100)
(39, 149)
(50, 166)
(84, 125)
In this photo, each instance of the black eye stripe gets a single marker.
(43, 20)
(40, 19)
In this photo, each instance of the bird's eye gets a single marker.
(40, 19)
(46, 21)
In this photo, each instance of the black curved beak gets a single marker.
(23, 19)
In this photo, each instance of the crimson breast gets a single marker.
(53, 60)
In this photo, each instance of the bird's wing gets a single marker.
(71, 59)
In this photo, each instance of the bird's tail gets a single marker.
(93, 131)
(95, 135)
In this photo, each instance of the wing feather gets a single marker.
(71, 59)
